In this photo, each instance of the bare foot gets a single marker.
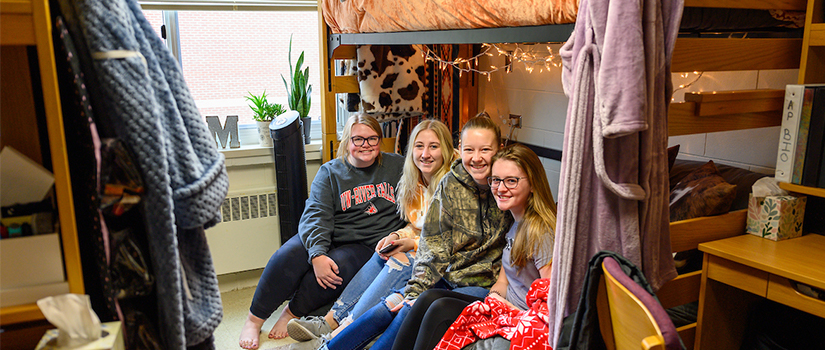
(279, 329)
(251, 332)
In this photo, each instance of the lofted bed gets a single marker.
(339, 41)
(699, 113)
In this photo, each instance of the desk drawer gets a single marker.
(738, 275)
(782, 291)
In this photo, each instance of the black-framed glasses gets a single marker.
(358, 141)
(510, 182)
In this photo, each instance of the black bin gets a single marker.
(290, 171)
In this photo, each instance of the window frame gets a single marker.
(247, 132)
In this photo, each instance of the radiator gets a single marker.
(249, 233)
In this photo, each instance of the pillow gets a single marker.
(703, 192)
(742, 178)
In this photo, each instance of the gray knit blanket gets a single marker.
(152, 110)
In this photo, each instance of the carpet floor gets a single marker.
(235, 309)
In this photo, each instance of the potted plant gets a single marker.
(299, 90)
(263, 112)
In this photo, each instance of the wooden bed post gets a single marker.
(328, 130)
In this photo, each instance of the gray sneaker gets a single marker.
(307, 328)
(314, 344)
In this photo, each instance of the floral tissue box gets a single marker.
(776, 217)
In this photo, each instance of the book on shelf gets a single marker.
(791, 110)
(793, 146)
(802, 134)
(814, 162)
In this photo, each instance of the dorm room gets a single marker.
(700, 113)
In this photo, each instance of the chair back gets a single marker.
(635, 316)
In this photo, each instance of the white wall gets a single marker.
(539, 98)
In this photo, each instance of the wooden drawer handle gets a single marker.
(807, 290)
(785, 291)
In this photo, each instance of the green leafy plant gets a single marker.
(262, 109)
(298, 89)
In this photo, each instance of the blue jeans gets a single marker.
(376, 279)
(380, 319)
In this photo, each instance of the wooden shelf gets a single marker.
(811, 191)
(26, 23)
(710, 103)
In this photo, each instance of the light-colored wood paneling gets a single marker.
(19, 123)
(681, 290)
(16, 6)
(16, 29)
(344, 52)
(780, 290)
(722, 54)
(682, 120)
(710, 103)
(330, 135)
(721, 319)
(812, 65)
(688, 234)
(799, 259)
(738, 275)
(57, 145)
(813, 191)
(817, 34)
(722, 96)
(345, 84)
(42, 33)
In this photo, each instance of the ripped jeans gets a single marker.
(376, 279)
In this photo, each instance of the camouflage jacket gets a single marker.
(462, 238)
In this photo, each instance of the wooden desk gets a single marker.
(741, 270)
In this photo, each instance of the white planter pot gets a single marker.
(263, 134)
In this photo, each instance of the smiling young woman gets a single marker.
(351, 207)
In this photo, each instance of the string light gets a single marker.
(685, 75)
(529, 57)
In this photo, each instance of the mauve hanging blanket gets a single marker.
(613, 191)
(152, 110)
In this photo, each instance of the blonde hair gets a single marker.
(358, 118)
(483, 121)
(540, 213)
(411, 176)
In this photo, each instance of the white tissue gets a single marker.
(767, 186)
(73, 316)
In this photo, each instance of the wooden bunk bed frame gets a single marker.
(700, 113)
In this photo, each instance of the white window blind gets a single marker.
(230, 5)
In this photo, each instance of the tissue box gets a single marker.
(776, 217)
(112, 339)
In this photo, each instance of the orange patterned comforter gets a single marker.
(371, 16)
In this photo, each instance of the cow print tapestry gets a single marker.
(392, 80)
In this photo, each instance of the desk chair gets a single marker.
(629, 317)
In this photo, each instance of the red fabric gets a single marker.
(526, 330)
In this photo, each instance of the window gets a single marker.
(226, 54)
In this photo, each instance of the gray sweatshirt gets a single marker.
(351, 205)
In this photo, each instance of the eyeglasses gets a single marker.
(509, 182)
(358, 141)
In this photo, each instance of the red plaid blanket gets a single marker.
(526, 330)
